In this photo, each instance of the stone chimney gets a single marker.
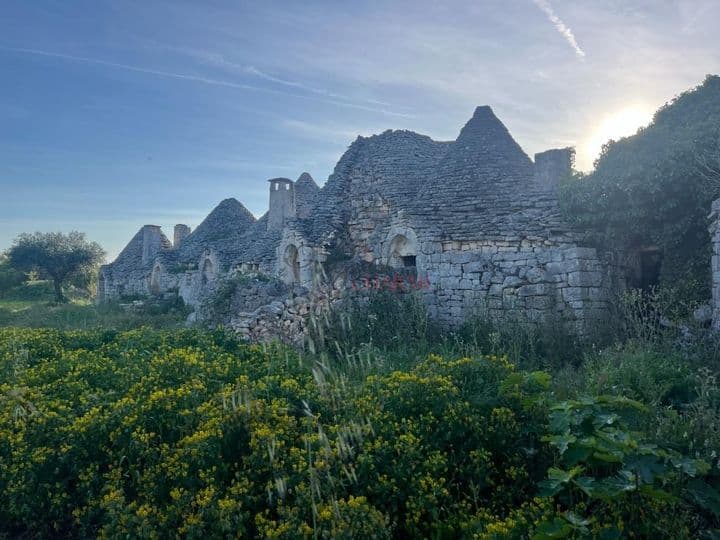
(152, 241)
(282, 202)
(180, 233)
(552, 166)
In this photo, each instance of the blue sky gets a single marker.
(116, 113)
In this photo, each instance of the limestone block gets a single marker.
(495, 290)
(473, 266)
(539, 302)
(512, 257)
(554, 268)
(580, 253)
(574, 294)
(532, 290)
(585, 279)
(511, 281)
(536, 275)
(461, 258)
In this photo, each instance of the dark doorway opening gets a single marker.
(650, 263)
(409, 261)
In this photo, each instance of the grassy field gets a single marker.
(32, 306)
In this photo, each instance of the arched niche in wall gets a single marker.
(402, 250)
(155, 280)
(291, 264)
(207, 270)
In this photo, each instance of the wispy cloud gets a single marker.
(219, 60)
(369, 105)
(326, 132)
(207, 80)
(138, 69)
(560, 26)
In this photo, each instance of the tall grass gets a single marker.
(396, 329)
(547, 344)
(369, 329)
(78, 315)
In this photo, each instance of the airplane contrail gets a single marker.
(194, 78)
(560, 26)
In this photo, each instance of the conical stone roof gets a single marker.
(219, 231)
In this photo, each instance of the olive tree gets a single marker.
(58, 256)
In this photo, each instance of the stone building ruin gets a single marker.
(715, 262)
(475, 219)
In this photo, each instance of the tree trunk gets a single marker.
(59, 296)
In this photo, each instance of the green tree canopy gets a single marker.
(653, 188)
(9, 276)
(56, 255)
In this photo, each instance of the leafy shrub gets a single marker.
(32, 291)
(655, 377)
(191, 433)
(649, 190)
(624, 484)
(165, 306)
(9, 277)
(141, 432)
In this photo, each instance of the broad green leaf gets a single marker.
(647, 467)
(561, 442)
(658, 494)
(586, 484)
(609, 488)
(605, 419)
(705, 496)
(552, 530)
(560, 421)
(576, 454)
(607, 457)
(690, 466)
(576, 520)
(556, 479)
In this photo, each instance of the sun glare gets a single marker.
(614, 126)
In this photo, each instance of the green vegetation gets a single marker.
(387, 429)
(32, 305)
(384, 324)
(195, 433)
(60, 257)
(654, 189)
(9, 277)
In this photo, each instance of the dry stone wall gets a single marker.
(526, 281)
(285, 319)
(715, 264)
(263, 309)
